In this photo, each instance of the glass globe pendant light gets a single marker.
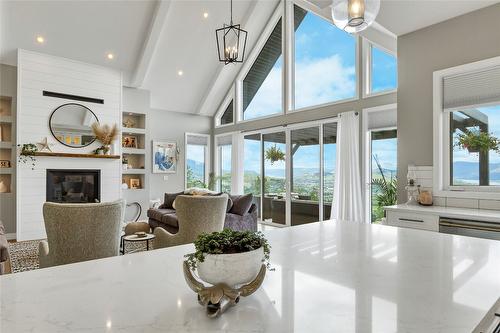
(354, 15)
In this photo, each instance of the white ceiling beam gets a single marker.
(150, 43)
(254, 22)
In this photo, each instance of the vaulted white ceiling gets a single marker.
(153, 40)
(80, 30)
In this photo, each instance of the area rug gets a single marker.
(24, 255)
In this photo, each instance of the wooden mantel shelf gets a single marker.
(51, 154)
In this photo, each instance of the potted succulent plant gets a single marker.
(475, 141)
(230, 257)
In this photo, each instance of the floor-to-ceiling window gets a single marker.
(252, 167)
(305, 175)
(274, 177)
(224, 163)
(329, 166)
(301, 154)
(197, 160)
(383, 171)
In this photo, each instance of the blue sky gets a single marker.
(325, 71)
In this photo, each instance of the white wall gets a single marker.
(165, 125)
(38, 72)
(461, 40)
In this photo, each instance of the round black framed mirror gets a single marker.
(70, 124)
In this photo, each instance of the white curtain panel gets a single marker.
(347, 203)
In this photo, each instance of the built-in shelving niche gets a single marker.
(134, 147)
(7, 146)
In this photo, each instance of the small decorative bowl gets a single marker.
(140, 234)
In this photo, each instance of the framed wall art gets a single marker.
(165, 156)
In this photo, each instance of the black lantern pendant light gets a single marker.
(231, 42)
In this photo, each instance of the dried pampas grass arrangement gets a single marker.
(105, 134)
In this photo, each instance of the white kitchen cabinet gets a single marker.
(414, 220)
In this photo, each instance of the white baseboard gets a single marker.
(10, 236)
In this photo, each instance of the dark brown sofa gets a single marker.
(241, 214)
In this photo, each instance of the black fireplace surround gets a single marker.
(73, 186)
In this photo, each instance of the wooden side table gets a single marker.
(134, 238)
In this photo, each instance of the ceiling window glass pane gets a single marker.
(228, 115)
(262, 85)
(384, 75)
(325, 61)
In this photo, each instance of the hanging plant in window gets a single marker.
(475, 141)
(274, 154)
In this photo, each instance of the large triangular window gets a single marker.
(228, 115)
(262, 86)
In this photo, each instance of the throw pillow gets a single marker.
(229, 204)
(169, 200)
(241, 204)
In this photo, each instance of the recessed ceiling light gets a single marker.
(205, 14)
(40, 39)
(180, 73)
(110, 56)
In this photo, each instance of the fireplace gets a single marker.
(73, 186)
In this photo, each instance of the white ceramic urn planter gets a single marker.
(233, 269)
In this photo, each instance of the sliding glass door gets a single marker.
(274, 178)
(223, 165)
(383, 171)
(252, 168)
(305, 175)
(294, 169)
(329, 166)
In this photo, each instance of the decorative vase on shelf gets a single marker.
(3, 187)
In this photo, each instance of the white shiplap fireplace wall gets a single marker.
(36, 73)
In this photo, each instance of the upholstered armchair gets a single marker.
(4, 252)
(80, 232)
(196, 214)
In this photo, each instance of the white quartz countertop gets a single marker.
(329, 277)
(451, 212)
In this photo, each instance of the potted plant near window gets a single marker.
(475, 141)
(232, 262)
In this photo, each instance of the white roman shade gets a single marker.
(382, 119)
(471, 89)
(197, 140)
(224, 140)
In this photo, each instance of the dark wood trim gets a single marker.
(51, 154)
(73, 97)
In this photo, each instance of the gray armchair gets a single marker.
(4, 252)
(196, 214)
(80, 232)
